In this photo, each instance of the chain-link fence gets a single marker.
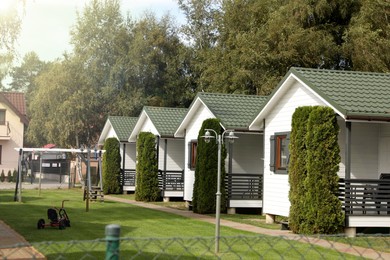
(237, 247)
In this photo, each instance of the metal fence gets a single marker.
(238, 247)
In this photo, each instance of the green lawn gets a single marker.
(145, 232)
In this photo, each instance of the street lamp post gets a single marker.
(219, 139)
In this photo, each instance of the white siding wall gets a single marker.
(130, 155)
(248, 154)
(384, 149)
(175, 154)
(192, 132)
(279, 120)
(111, 133)
(148, 126)
(9, 156)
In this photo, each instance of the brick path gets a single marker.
(9, 237)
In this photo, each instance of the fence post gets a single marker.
(112, 241)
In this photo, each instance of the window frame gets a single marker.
(276, 152)
(192, 154)
(5, 114)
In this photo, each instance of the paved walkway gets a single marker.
(9, 237)
(286, 234)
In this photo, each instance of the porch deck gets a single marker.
(171, 183)
(366, 202)
(244, 190)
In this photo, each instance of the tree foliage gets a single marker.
(205, 185)
(315, 206)
(297, 167)
(10, 26)
(118, 64)
(111, 167)
(147, 168)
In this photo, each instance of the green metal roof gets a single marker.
(234, 111)
(355, 94)
(166, 119)
(123, 125)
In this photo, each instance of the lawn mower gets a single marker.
(58, 218)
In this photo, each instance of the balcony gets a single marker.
(5, 131)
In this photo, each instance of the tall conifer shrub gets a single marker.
(147, 168)
(297, 167)
(206, 170)
(323, 211)
(111, 167)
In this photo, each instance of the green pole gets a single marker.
(112, 241)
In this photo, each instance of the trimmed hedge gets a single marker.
(2, 176)
(111, 167)
(297, 166)
(206, 170)
(314, 164)
(147, 168)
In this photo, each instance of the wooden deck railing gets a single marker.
(245, 186)
(365, 196)
(128, 177)
(171, 180)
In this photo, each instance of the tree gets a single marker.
(368, 37)
(147, 168)
(23, 76)
(63, 107)
(297, 167)
(206, 169)
(323, 211)
(111, 167)
(10, 25)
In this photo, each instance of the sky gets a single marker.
(47, 23)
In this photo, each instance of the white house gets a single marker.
(361, 102)
(120, 127)
(163, 122)
(13, 120)
(244, 163)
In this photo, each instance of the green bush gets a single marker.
(111, 167)
(15, 175)
(147, 168)
(323, 208)
(205, 185)
(297, 167)
(9, 176)
(314, 164)
(2, 176)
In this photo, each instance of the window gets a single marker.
(279, 152)
(192, 154)
(2, 117)
(1, 153)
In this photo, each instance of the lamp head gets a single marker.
(231, 137)
(207, 136)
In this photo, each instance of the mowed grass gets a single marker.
(145, 232)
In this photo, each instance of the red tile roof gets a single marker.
(17, 99)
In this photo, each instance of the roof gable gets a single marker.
(233, 110)
(164, 119)
(16, 102)
(351, 94)
(122, 126)
(354, 93)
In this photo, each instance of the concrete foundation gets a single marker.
(350, 232)
(269, 219)
(231, 211)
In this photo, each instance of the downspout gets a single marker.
(123, 164)
(124, 157)
(347, 151)
(165, 162)
(230, 171)
(262, 195)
